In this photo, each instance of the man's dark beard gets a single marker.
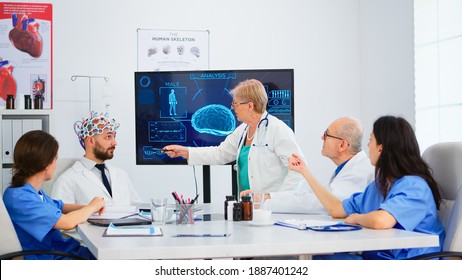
(102, 154)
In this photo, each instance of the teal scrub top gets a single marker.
(243, 167)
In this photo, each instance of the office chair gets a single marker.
(445, 160)
(10, 248)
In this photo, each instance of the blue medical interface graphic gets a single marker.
(279, 102)
(150, 154)
(214, 119)
(192, 108)
(165, 131)
(173, 102)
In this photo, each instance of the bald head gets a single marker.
(351, 130)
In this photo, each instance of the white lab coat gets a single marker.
(79, 185)
(271, 147)
(354, 177)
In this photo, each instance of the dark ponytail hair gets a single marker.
(34, 151)
(400, 154)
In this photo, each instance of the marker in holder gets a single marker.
(184, 213)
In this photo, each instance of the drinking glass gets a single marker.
(158, 210)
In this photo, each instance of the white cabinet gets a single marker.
(14, 123)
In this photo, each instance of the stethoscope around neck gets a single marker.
(263, 122)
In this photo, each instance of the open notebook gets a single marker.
(120, 216)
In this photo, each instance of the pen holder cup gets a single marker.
(184, 214)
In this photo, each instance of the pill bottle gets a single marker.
(237, 211)
(229, 211)
(27, 102)
(247, 208)
(38, 102)
(228, 199)
(10, 101)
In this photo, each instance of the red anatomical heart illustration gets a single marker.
(7, 82)
(25, 37)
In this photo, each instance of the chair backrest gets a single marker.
(61, 165)
(445, 160)
(453, 240)
(9, 241)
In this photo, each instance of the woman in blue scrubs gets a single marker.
(404, 194)
(36, 217)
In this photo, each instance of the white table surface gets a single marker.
(246, 240)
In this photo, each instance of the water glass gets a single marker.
(158, 210)
(257, 199)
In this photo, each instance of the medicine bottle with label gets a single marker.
(237, 212)
(228, 199)
(247, 208)
(10, 101)
(229, 212)
(27, 102)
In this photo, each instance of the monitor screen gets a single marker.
(193, 108)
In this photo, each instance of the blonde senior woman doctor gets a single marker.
(261, 145)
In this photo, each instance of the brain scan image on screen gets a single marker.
(192, 108)
(214, 119)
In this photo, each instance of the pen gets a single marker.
(202, 235)
(137, 215)
(194, 199)
(176, 197)
(128, 216)
(160, 149)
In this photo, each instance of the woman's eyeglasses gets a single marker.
(234, 104)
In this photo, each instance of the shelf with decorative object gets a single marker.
(14, 123)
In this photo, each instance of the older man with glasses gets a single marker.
(342, 143)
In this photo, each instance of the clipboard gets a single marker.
(335, 227)
(132, 231)
(324, 226)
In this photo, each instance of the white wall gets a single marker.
(333, 45)
(387, 60)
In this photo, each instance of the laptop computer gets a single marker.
(119, 222)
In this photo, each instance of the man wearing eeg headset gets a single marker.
(85, 180)
(260, 146)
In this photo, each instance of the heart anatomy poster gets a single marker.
(172, 50)
(26, 53)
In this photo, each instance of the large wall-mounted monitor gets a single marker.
(193, 108)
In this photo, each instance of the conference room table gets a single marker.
(245, 239)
